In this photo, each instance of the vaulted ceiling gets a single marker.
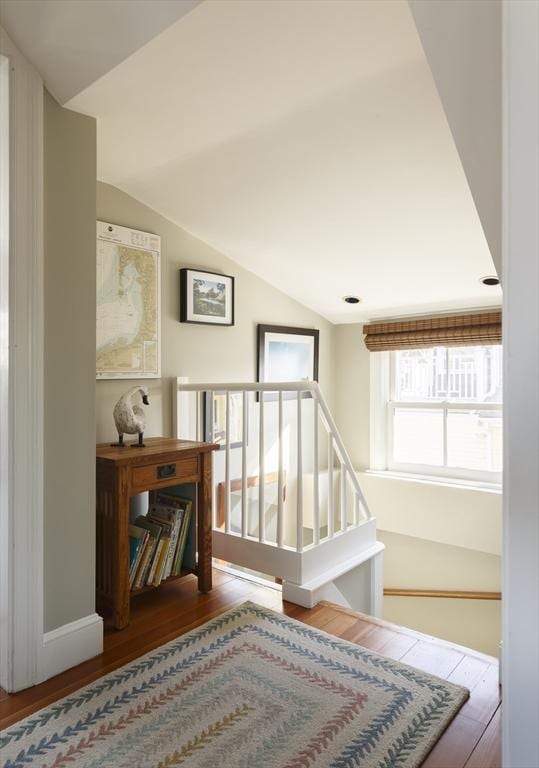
(308, 142)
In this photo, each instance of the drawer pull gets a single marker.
(166, 470)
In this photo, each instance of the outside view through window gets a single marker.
(447, 408)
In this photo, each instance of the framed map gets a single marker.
(128, 315)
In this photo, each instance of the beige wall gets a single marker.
(416, 563)
(441, 512)
(437, 535)
(472, 623)
(203, 353)
(352, 392)
(69, 476)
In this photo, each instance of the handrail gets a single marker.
(290, 386)
(257, 386)
(455, 594)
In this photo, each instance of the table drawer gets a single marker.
(166, 473)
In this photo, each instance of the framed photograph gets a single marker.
(287, 354)
(215, 418)
(206, 297)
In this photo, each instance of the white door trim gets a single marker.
(520, 561)
(21, 409)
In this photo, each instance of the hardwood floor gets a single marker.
(471, 741)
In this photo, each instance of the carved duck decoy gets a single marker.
(129, 416)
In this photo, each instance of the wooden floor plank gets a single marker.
(398, 646)
(432, 658)
(471, 740)
(485, 695)
(488, 752)
(456, 745)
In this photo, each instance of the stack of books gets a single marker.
(157, 540)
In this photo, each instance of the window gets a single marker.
(444, 412)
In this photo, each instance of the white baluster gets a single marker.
(261, 516)
(299, 483)
(280, 480)
(344, 511)
(356, 509)
(316, 485)
(331, 496)
(227, 464)
(245, 424)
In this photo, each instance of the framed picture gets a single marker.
(215, 418)
(128, 303)
(287, 354)
(206, 297)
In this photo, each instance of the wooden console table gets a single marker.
(124, 472)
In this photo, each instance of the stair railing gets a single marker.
(336, 450)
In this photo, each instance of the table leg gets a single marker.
(204, 524)
(121, 552)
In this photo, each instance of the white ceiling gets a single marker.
(74, 42)
(307, 141)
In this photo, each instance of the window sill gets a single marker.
(471, 485)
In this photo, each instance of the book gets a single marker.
(155, 534)
(170, 519)
(184, 506)
(138, 580)
(160, 567)
(155, 560)
(180, 549)
(137, 539)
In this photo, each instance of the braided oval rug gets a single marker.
(250, 689)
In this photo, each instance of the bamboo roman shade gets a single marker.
(451, 331)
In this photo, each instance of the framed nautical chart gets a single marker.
(128, 292)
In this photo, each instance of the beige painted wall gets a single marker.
(437, 536)
(203, 353)
(413, 563)
(69, 476)
(449, 514)
(472, 623)
(352, 392)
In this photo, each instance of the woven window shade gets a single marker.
(452, 331)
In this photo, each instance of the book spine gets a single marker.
(139, 578)
(174, 545)
(158, 578)
(155, 560)
(183, 540)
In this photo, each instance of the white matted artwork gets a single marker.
(206, 297)
(128, 297)
(287, 354)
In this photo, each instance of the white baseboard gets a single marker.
(70, 644)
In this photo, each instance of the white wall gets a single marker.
(520, 715)
(462, 42)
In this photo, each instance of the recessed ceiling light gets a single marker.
(351, 299)
(490, 280)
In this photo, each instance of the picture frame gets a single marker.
(206, 298)
(287, 354)
(128, 303)
(214, 418)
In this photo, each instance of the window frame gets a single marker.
(383, 406)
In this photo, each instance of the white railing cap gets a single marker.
(255, 386)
